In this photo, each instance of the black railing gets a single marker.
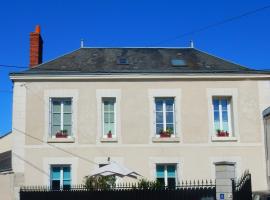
(242, 188)
(195, 190)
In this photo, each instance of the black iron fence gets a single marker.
(192, 190)
(242, 188)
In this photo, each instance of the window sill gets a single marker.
(223, 139)
(108, 140)
(165, 139)
(61, 140)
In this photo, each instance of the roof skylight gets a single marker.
(122, 61)
(177, 62)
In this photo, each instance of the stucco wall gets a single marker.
(195, 153)
(6, 189)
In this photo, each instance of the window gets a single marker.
(109, 115)
(222, 116)
(178, 62)
(61, 117)
(122, 61)
(164, 110)
(60, 177)
(166, 174)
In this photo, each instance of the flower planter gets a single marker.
(61, 134)
(109, 135)
(222, 134)
(165, 135)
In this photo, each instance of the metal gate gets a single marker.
(242, 188)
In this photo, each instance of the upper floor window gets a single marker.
(109, 116)
(166, 174)
(222, 116)
(165, 117)
(61, 117)
(60, 177)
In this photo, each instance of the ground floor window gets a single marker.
(166, 174)
(60, 177)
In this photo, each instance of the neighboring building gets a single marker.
(6, 142)
(95, 103)
(6, 173)
(266, 117)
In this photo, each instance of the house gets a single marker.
(6, 173)
(168, 113)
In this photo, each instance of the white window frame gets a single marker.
(104, 135)
(229, 110)
(166, 172)
(61, 174)
(61, 114)
(164, 115)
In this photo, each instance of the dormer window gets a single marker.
(122, 61)
(177, 62)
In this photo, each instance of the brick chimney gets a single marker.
(36, 46)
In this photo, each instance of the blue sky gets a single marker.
(122, 23)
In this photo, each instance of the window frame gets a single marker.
(164, 120)
(104, 135)
(166, 172)
(61, 99)
(61, 174)
(229, 111)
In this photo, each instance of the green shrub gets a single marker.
(99, 182)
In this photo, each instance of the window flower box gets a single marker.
(221, 133)
(61, 134)
(166, 134)
(109, 134)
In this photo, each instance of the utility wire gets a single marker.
(56, 147)
(198, 30)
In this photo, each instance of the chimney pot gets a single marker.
(37, 29)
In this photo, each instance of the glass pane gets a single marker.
(159, 117)
(159, 104)
(55, 173)
(224, 104)
(159, 128)
(169, 117)
(56, 119)
(108, 127)
(67, 106)
(216, 104)
(169, 104)
(55, 185)
(68, 129)
(67, 119)
(66, 185)
(56, 106)
(171, 182)
(171, 171)
(106, 117)
(216, 124)
(170, 127)
(111, 115)
(66, 173)
(160, 171)
(216, 115)
(225, 126)
(55, 129)
(109, 105)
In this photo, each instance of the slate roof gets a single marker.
(5, 161)
(140, 60)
